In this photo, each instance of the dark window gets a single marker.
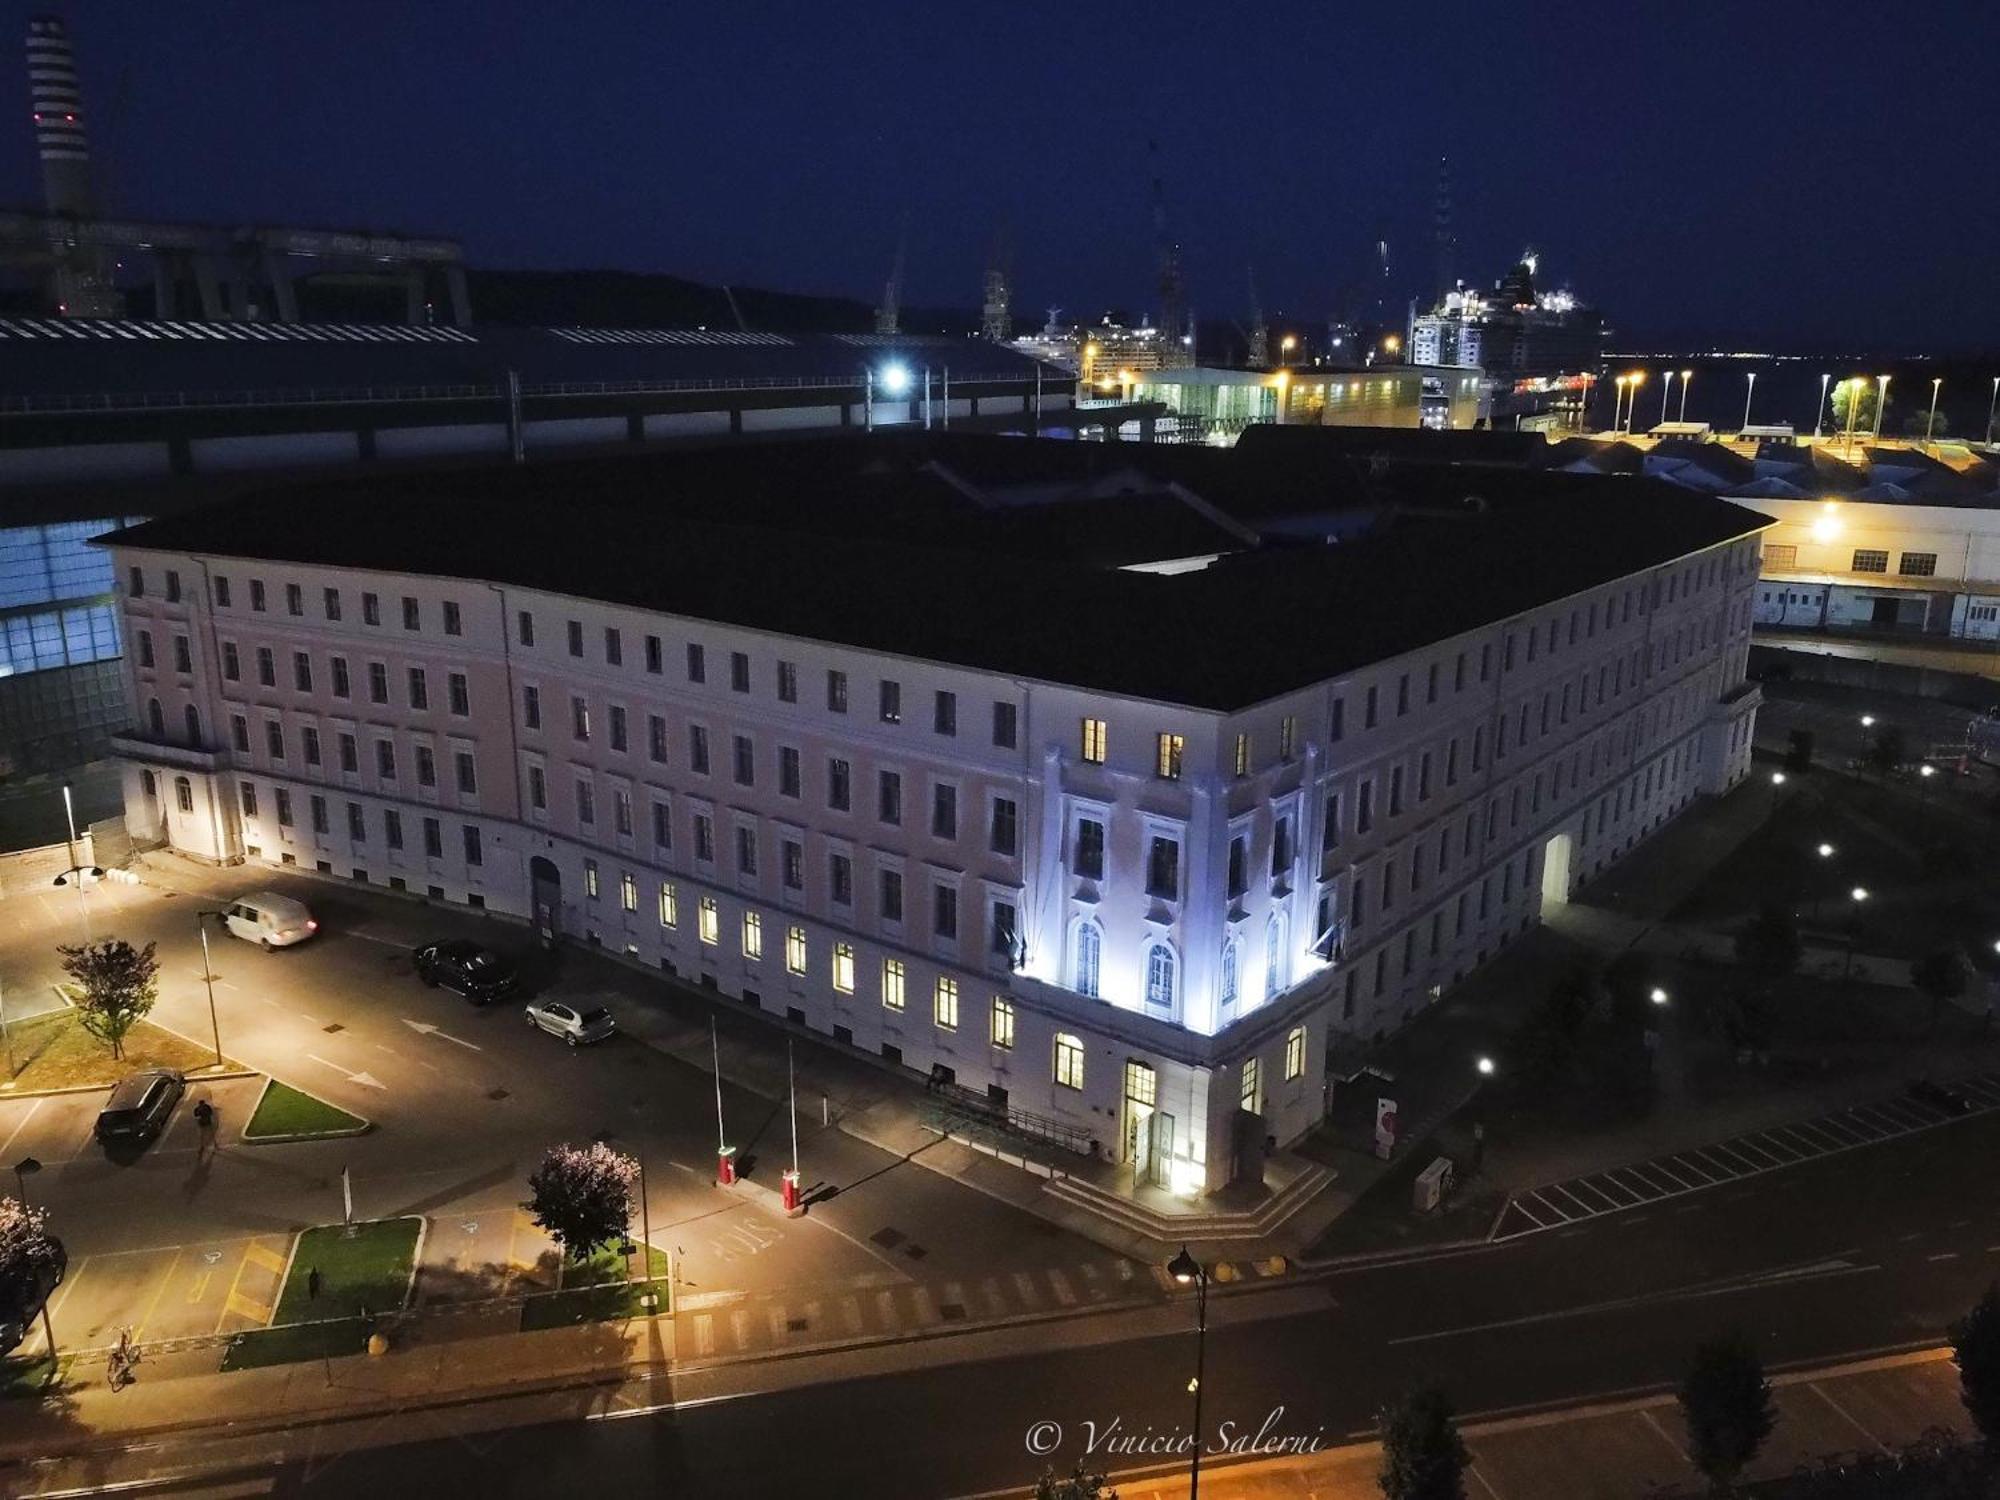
(413, 614)
(944, 812)
(697, 663)
(839, 788)
(1163, 868)
(1006, 725)
(1004, 833)
(614, 647)
(1089, 858)
(889, 702)
(944, 713)
(739, 671)
(525, 628)
(944, 911)
(889, 797)
(892, 895)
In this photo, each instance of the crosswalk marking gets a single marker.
(885, 1308)
(1025, 1285)
(926, 1311)
(1059, 1284)
(704, 1333)
(739, 1327)
(850, 1313)
(996, 1304)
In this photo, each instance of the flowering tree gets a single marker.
(31, 1259)
(582, 1196)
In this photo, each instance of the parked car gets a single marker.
(140, 1106)
(1940, 1096)
(22, 1297)
(477, 973)
(268, 918)
(572, 1025)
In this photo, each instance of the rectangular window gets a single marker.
(284, 800)
(392, 828)
(473, 853)
(1005, 835)
(274, 739)
(892, 984)
(1295, 1053)
(173, 586)
(256, 593)
(889, 797)
(576, 638)
(792, 864)
(746, 851)
(704, 838)
(239, 733)
(1917, 564)
(586, 801)
(891, 884)
(232, 662)
(420, 691)
(709, 921)
(309, 741)
(788, 682)
(1000, 928)
(1006, 725)
(531, 706)
(1249, 1094)
(453, 625)
(146, 648)
(1163, 869)
(670, 906)
(1242, 758)
(459, 693)
(789, 779)
(1868, 560)
(739, 671)
(656, 655)
(628, 891)
(468, 773)
(385, 759)
(840, 879)
(538, 789)
(944, 1004)
(350, 755)
(413, 615)
(302, 671)
(1288, 737)
(317, 805)
(341, 686)
(795, 950)
(1167, 762)
(184, 658)
(1000, 1025)
(697, 662)
(753, 936)
(426, 767)
(663, 824)
(378, 683)
(839, 784)
(1094, 741)
(746, 761)
(1337, 728)
(836, 691)
(295, 599)
(267, 664)
(698, 749)
(944, 911)
(944, 812)
(1777, 556)
(843, 968)
(889, 702)
(944, 713)
(221, 589)
(614, 647)
(1089, 858)
(1370, 713)
(524, 628)
(1068, 1061)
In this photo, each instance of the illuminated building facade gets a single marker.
(1095, 779)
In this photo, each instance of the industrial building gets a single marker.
(1115, 783)
(1217, 405)
(1537, 350)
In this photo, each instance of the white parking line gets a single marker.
(23, 1125)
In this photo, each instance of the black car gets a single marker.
(477, 973)
(140, 1106)
(1940, 1096)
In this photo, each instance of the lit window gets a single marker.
(670, 907)
(1142, 1084)
(1295, 1053)
(711, 920)
(1167, 764)
(1094, 739)
(1069, 1061)
(892, 983)
(590, 878)
(1242, 755)
(1001, 1027)
(1089, 943)
(944, 1004)
(843, 968)
(1251, 1097)
(753, 935)
(795, 950)
(1288, 737)
(628, 891)
(1160, 977)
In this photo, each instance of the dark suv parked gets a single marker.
(139, 1107)
(477, 973)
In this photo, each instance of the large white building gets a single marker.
(1120, 782)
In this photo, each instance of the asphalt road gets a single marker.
(1879, 1247)
(465, 1100)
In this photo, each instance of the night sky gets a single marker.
(1765, 174)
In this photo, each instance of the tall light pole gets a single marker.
(1858, 895)
(1687, 379)
(7, 1037)
(1819, 412)
(1854, 389)
(1618, 402)
(1825, 852)
(1930, 422)
(208, 978)
(1184, 1268)
(1881, 405)
(1632, 406)
(25, 1168)
(791, 1194)
(1749, 390)
(1666, 391)
(1992, 402)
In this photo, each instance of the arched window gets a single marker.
(1160, 977)
(156, 721)
(193, 725)
(1084, 969)
(1229, 988)
(184, 793)
(1274, 955)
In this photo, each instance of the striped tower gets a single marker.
(59, 131)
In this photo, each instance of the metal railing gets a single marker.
(954, 1109)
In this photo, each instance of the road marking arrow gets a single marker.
(365, 1080)
(426, 1029)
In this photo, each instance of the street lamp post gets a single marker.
(1881, 404)
(1749, 391)
(1618, 402)
(1687, 379)
(1930, 422)
(208, 978)
(1854, 389)
(1666, 391)
(1924, 774)
(1184, 1268)
(1992, 402)
(6, 1036)
(1858, 895)
(76, 873)
(1826, 853)
(1819, 412)
(1632, 406)
(25, 1168)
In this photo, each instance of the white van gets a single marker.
(268, 918)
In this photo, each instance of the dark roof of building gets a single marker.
(1468, 445)
(912, 545)
(51, 357)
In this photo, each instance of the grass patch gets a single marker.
(55, 1052)
(367, 1272)
(32, 1376)
(286, 1111)
(596, 1291)
(260, 1347)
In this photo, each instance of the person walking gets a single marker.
(204, 1119)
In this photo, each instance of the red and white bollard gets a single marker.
(725, 1166)
(791, 1191)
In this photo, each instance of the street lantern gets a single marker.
(1485, 1067)
(1186, 1270)
(1687, 379)
(1826, 851)
(25, 1168)
(1658, 996)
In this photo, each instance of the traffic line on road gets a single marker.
(20, 1126)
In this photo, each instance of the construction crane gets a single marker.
(996, 322)
(888, 315)
(1173, 290)
(1258, 352)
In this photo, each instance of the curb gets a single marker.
(244, 1137)
(198, 1076)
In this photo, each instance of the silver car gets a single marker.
(572, 1025)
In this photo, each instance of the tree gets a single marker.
(1768, 944)
(1916, 421)
(1727, 1404)
(1941, 975)
(117, 985)
(1861, 397)
(1423, 1457)
(582, 1196)
(1975, 1340)
(31, 1262)
(1081, 1485)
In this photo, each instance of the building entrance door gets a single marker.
(1555, 873)
(1140, 1136)
(545, 893)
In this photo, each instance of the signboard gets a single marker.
(1385, 1128)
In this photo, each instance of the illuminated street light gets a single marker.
(1777, 778)
(1638, 378)
(1868, 721)
(1930, 422)
(1881, 404)
(1485, 1066)
(895, 378)
(1618, 401)
(1826, 851)
(1859, 893)
(1666, 391)
(1819, 412)
(1658, 997)
(1749, 391)
(1687, 379)
(1185, 1269)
